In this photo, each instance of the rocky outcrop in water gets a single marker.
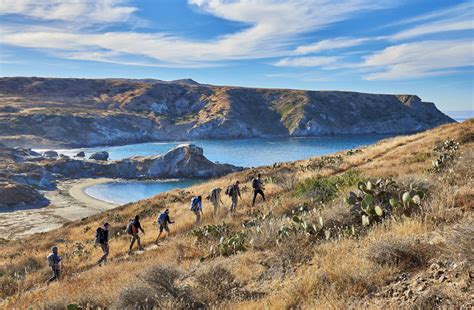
(47, 112)
(104, 156)
(185, 161)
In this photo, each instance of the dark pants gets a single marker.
(255, 193)
(137, 238)
(55, 277)
(105, 249)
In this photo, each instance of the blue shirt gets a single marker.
(54, 259)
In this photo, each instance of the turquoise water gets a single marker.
(241, 152)
(129, 191)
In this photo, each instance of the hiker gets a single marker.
(215, 198)
(53, 261)
(234, 192)
(257, 188)
(132, 229)
(196, 207)
(102, 238)
(163, 221)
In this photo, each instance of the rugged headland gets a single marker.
(51, 112)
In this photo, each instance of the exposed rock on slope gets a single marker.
(83, 112)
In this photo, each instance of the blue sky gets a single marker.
(386, 46)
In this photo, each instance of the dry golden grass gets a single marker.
(317, 274)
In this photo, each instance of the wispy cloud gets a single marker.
(420, 59)
(273, 26)
(455, 11)
(97, 11)
(307, 61)
(330, 44)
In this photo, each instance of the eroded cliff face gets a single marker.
(45, 112)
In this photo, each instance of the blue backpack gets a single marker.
(194, 204)
(162, 218)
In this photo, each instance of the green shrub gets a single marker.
(324, 189)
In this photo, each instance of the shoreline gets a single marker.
(78, 192)
(68, 202)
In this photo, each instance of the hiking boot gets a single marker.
(141, 249)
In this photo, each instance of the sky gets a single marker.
(386, 46)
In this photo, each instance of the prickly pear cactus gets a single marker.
(408, 202)
(376, 200)
(369, 204)
(447, 152)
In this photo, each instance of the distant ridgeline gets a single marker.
(47, 112)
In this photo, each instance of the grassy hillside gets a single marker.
(302, 248)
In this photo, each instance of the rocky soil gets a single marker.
(47, 112)
(24, 173)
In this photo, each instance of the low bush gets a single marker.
(217, 284)
(405, 254)
(161, 289)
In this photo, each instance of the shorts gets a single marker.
(164, 227)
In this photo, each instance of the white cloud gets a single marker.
(420, 59)
(436, 27)
(330, 44)
(273, 27)
(461, 9)
(96, 11)
(456, 18)
(306, 61)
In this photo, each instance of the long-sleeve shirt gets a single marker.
(105, 236)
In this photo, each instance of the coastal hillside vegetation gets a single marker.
(384, 226)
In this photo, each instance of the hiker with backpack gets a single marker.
(163, 221)
(257, 188)
(196, 207)
(234, 192)
(53, 261)
(102, 239)
(215, 198)
(132, 229)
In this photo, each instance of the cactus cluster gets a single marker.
(296, 224)
(353, 152)
(211, 232)
(323, 162)
(408, 201)
(447, 152)
(231, 245)
(369, 204)
(374, 201)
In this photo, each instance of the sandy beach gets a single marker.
(69, 202)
